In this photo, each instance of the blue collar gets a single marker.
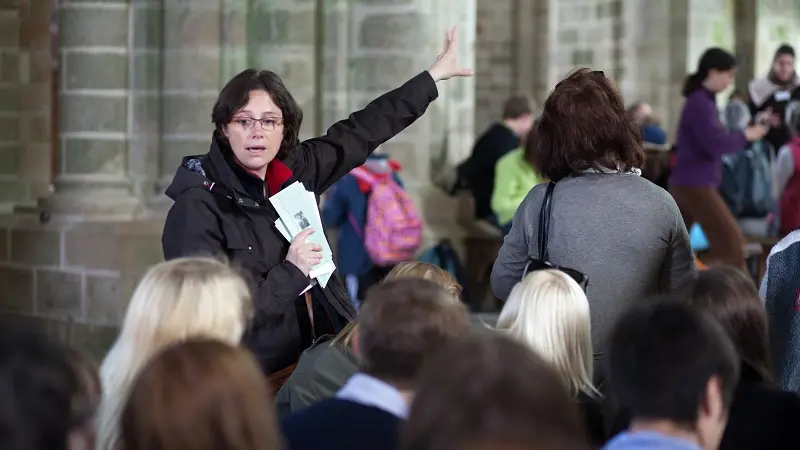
(370, 391)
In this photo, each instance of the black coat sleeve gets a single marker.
(347, 143)
(192, 228)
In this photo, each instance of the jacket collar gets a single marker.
(245, 184)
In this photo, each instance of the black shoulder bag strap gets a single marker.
(544, 221)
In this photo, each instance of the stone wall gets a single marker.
(137, 80)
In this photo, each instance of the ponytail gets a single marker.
(692, 83)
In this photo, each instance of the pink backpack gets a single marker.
(393, 231)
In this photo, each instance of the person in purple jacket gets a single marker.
(701, 141)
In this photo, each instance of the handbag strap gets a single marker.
(544, 220)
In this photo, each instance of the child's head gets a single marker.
(410, 269)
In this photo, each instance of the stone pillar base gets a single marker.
(92, 198)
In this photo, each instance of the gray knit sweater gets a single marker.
(621, 230)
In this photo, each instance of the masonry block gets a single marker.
(93, 26)
(92, 246)
(104, 301)
(188, 114)
(403, 31)
(9, 30)
(94, 156)
(191, 70)
(95, 71)
(16, 289)
(59, 294)
(9, 159)
(81, 112)
(36, 247)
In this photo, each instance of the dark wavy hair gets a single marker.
(236, 93)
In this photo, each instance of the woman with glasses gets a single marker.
(222, 202)
(618, 235)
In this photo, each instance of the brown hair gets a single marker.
(517, 106)
(584, 126)
(729, 295)
(529, 149)
(409, 269)
(201, 395)
(488, 390)
(402, 322)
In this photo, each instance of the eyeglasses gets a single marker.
(266, 124)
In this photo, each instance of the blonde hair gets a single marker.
(549, 312)
(410, 269)
(176, 300)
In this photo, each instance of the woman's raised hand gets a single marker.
(446, 64)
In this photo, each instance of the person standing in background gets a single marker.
(346, 210)
(496, 142)
(701, 141)
(772, 93)
(515, 176)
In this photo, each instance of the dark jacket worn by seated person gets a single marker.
(220, 209)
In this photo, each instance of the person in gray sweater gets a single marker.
(620, 230)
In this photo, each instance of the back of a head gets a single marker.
(584, 126)
(488, 391)
(729, 295)
(661, 357)
(37, 388)
(549, 312)
(176, 299)
(517, 106)
(402, 322)
(426, 271)
(189, 296)
(199, 395)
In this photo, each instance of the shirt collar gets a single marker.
(370, 391)
(649, 439)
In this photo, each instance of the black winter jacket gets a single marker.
(221, 210)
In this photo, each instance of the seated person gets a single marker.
(514, 176)
(510, 399)
(345, 209)
(402, 323)
(674, 371)
(549, 312)
(326, 366)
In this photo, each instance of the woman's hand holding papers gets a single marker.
(302, 254)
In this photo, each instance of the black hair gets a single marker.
(713, 58)
(662, 355)
(236, 94)
(38, 386)
(784, 49)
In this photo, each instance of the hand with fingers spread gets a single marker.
(302, 254)
(446, 64)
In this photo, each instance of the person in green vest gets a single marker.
(514, 177)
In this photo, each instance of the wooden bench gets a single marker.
(481, 247)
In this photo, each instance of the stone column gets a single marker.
(26, 65)
(393, 41)
(95, 117)
(192, 61)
